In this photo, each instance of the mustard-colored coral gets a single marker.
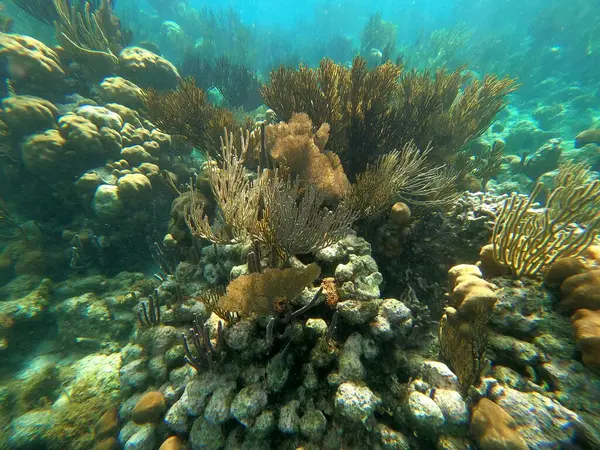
(258, 293)
(295, 147)
(463, 328)
(32, 65)
(587, 334)
(528, 239)
(494, 429)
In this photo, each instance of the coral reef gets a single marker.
(383, 255)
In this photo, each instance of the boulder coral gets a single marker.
(147, 69)
(494, 429)
(81, 136)
(149, 408)
(122, 91)
(26, 114)
(488, 264)
(562, 269)
(472, 296)
(581, 291)
(44, 153)
(33, 67)
(591, 136)
(400, 214)
(587, 334)
(134, 185)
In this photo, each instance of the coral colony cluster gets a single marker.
(349, 254)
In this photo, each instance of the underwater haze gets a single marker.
(315, 225)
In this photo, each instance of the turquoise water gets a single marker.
(320, 225)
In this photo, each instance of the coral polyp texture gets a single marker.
(365, 227)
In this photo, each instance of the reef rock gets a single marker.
(355, 402)
(360, 278)
(107, 201)
(541, 421)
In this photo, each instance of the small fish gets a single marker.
(375, 52)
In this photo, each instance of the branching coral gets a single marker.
(354, 102)
(42, 10)
(295, 220)
(8, 152)
(274, 210)
(6, 218)
(187, 112)
(80, 32)
(236, 81)
(528, 240)
(437, 111)
(300, 151)
(378, 39)
(118, 36)
(6, 24)
(373, 111)
(442, 46)
(397, 175)
(238, 84)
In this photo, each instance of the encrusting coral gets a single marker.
(494, 429)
